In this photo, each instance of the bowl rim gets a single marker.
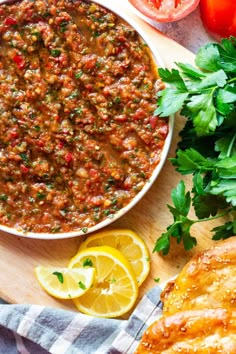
(109, 220)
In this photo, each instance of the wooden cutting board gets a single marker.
(149, 218)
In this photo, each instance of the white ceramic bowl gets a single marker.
(113, 6)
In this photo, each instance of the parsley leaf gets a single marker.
(227, 188)
(163, 242)
(55, 53)
(226, 145)
(81, 285)
(206, 96)
(224, 97)
(59, 276)
(225, 231)
(207, 204)
(203, 113)
(157, 280)
(196, 90)
(3, 197)
(181, 200)
(190, 71)
(174, 78)
(208, 58)
(227, 51)
(180, 229)
(87, 263)
(191, 160)
(169, 106)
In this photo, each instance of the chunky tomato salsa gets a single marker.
(78, 138)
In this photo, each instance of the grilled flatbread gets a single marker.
(208, 280)
(211, 331)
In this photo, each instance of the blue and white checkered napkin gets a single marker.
(33, 329)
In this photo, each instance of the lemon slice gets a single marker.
(64, 283)
(129, 244)
(115, 288)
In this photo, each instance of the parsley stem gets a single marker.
(231, 80)
(214, 217)
(202, 90)
(231, 145)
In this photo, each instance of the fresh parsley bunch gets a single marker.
(206, 95)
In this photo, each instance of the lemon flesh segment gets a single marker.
(64, 283)
(115, 288)
(129, 244)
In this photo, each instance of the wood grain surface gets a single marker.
(149, 218)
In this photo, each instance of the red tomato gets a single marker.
(19, 60)
(165, 10)
(9, 21)
(219, 17)
(24, 169)
(69, 157)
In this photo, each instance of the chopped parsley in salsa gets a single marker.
(78, 138)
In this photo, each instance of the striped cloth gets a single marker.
(33, 329)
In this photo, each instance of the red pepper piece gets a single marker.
(163, 131)
(24, 169)
(68, 157)
(10, 21)
(93, 173)
(41, 143)
(153, 122)
(19, 60)
(89, 87)
(61, 144)
(14, 134)
(139, 114)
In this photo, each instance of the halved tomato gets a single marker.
(165, 10)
